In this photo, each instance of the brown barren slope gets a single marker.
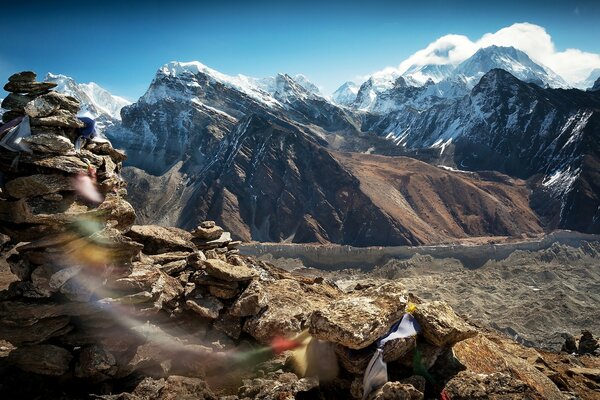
(438, 205)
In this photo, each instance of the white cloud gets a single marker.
(573, 65)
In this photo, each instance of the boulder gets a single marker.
(587, 343)
(360, 318)
(440, 324)
(38, 185)
(157, 239)
(227, 272)
(43, 359)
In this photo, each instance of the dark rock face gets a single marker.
(263, 173)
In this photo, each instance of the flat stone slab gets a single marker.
(441, 326)
(157, 239)
(227, 272)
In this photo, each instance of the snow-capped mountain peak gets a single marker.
(509, 59)
(345, 94)
(307, 84)
(95, 100)
(421, 74)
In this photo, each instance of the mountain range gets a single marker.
(495, 146)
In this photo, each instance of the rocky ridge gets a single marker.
(102, 306)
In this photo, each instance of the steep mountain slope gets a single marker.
(103, 106)
(189, 108)
(273, 183)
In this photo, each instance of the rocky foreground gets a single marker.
(103, 308)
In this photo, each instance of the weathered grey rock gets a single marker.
(221, 241)
(251, 301)
(105, 148)
(49, 143)
(96, 363)
(61, 118)
(207, 307)
(172, 388)
(397, 349)
(284, 386)
(16, 102)
(157, 239)
(360, 318)
(230, 325)
(353, 361)
(467, 385)
(289, 307)
(61, 276)
(28, 332)
(22, 86)
(587, 343)
(40, 107)
(222, 293)
(173, 268)
(227, 272)
(23, 76)
(397, 390)
(43, 359)
(45, 105)
(41, 277)
(10, 115)
(38, 185)
(440, 324)
(69, 133)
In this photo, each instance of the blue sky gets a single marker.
(120, 45)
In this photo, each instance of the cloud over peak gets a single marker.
(573, 65)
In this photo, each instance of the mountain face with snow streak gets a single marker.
(507, 125)
(189, 107)
(103, 106)
(421, 74)
(588, 83)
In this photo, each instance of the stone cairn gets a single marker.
(99, 301)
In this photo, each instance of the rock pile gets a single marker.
(101, 303)
(48, 111)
